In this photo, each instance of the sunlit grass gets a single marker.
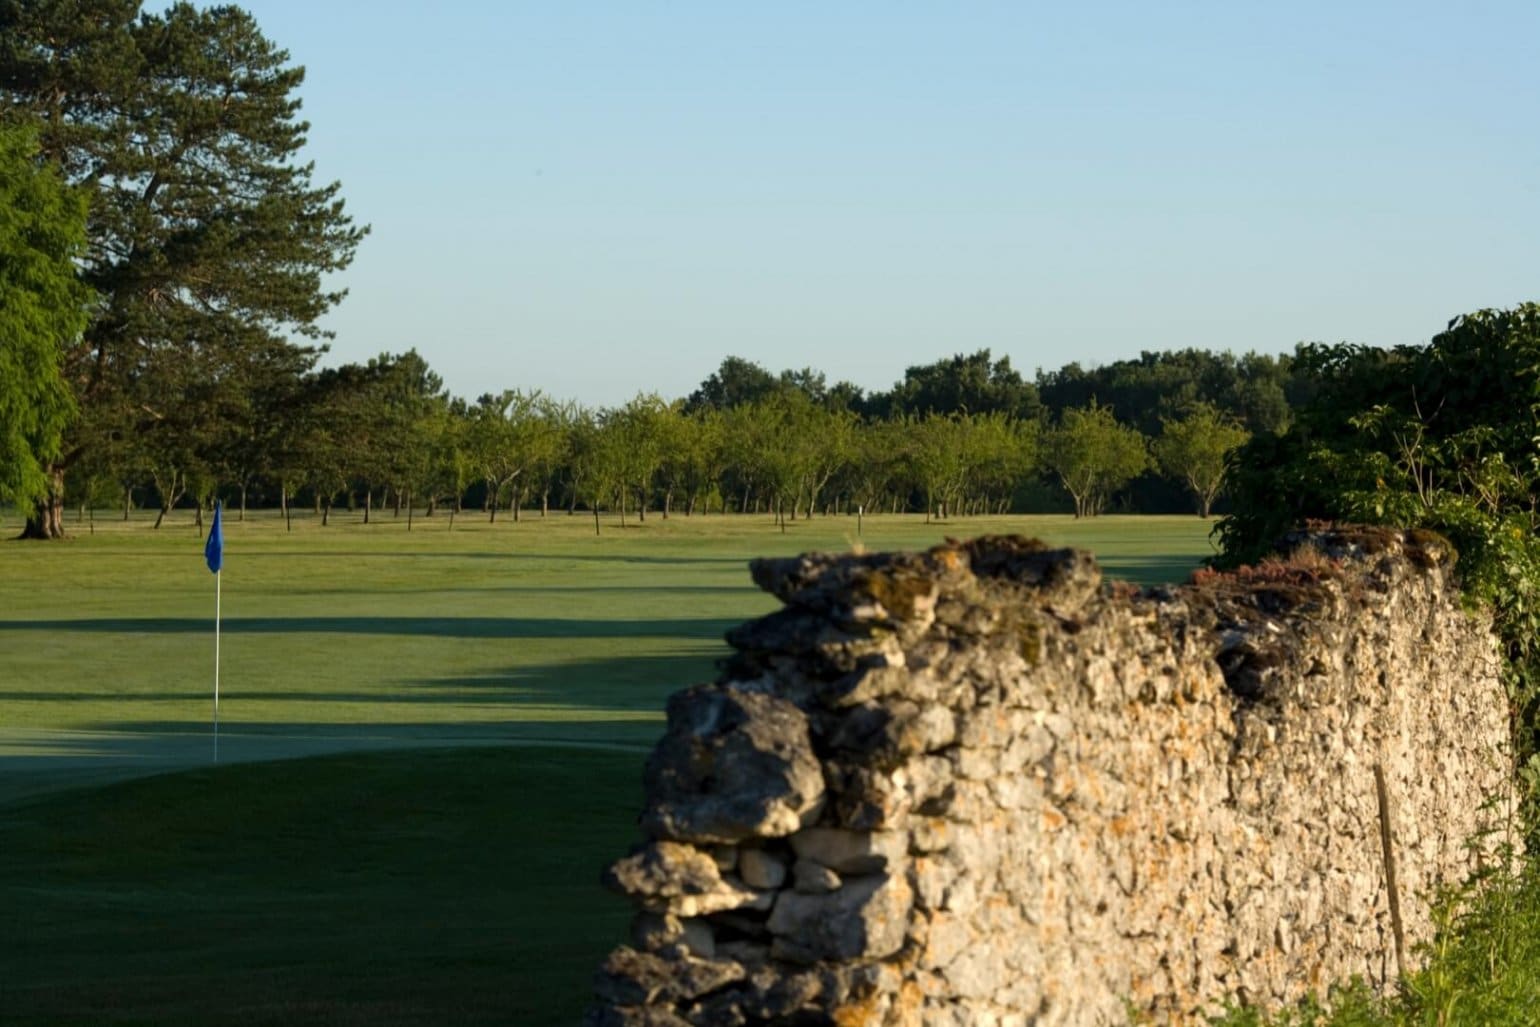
(529, 630)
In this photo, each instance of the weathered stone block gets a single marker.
(851, 852)
(866, 918)
(732, 765)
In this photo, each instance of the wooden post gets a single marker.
(1387, 851)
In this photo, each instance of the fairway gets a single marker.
(370, 636)
(302, 890)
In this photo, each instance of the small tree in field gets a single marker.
(1093, 456)
(1194, 449)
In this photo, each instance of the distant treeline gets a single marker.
(961, 436)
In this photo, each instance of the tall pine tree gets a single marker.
(208, 240)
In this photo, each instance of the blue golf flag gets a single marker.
(214, 548)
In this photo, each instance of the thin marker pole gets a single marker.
(218, 580)
(214, 556)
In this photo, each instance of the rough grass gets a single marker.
(403, 886)
(1483, 970)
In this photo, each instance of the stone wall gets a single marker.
(977, 786)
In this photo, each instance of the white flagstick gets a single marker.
(218, 576)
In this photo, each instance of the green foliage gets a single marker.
(509, 436)
(1193, 449)
(1093, 456)
(971, 384)
(42, 311)
(206, 238)
(1445, 437)
(1251, 389)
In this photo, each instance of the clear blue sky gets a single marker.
(599, 198)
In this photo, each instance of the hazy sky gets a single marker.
(600, 198)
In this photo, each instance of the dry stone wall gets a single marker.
(977, 786)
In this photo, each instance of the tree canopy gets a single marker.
(206, 236)
(1193, 449)
(43, 308)
(1444, 437)
(1094, 456)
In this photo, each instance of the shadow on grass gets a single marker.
(1148, 570)
(444, 627)
(396, 890)
(613, 703)
(36, 763)
(348, 555)
(627, 683)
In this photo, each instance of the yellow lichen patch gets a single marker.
(898, 591)
(909, 1010)
(1031, 644)
(949, 558)
(861, 1013)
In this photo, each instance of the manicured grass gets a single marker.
(370, 636)
(142, 885)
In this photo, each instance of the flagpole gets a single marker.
(218, 581)
(214, 556)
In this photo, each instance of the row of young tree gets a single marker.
(388, 432)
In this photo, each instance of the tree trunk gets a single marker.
(514, 506)
(409, 510)
(596, 517)
(668, 501)
(47, 519)
(243, 502)
(326, 512)
(545, 502)
(396, 496)
(368, 502)
(128, 502)
(492, 504)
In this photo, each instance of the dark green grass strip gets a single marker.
(419, 887)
